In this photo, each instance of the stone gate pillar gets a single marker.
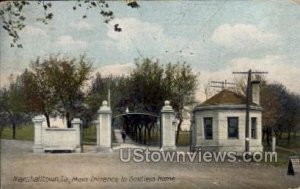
(193, 133)
(76, 124)
(104, 135)
(37, 124)
(167, 127)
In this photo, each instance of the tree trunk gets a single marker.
(280, 135)
(289, 137)
(149, 132)
(47, 119)
(136, 134)
(268, 136)
(178, 130)
(14, 129)
(277, 137)
(140, 133)
(145, 134)
(1, 130)
(69, 125)
(263, 134)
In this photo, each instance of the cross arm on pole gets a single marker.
(251, 72)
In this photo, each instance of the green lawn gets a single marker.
(89, 135)
(22, 132)
(294, 142)
(285, 150)
(26, 132)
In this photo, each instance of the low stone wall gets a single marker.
(53, 139)
(61, 139)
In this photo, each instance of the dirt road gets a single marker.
(20, 168)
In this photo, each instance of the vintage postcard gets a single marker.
(150, 94)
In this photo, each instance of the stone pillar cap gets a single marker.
(104, 108)
(38, 118)
(76, 121)
(167, 103)
(167, 107)
(104, 103)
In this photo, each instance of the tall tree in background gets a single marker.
(3, 115)
(146, 91)
(99, 89)
(280, 108)
(12, 101)
(151, 83)
(40, 97)
(271, 110)
(180, 82)
(67, 78)
(54, 86)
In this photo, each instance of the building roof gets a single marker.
(226, 97)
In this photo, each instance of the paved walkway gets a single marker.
(129, 143)
(118, 138)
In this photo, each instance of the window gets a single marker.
(253, 127)
(208, 133)
(233, 127)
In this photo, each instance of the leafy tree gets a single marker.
(281, 110)
(13, 17)
(54, 86)
(67, 77)
(98, 92)
(271, 110)
(146, 90)
(181, 84)
(13, 106)
(146, 93)
(3, 114)
(290, 116)
(40, 97)
(151, 83)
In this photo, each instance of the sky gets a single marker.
(214, 37)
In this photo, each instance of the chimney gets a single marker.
(255, 92)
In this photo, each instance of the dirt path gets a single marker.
(92, 170)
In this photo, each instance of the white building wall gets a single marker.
(220, 141)
(200, 128)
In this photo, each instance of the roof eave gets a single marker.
(226, 107)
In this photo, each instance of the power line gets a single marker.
(137, 50)
(205, 23)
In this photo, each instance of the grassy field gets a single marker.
(24, 132)
(89, 135)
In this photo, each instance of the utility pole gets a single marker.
(248, 101)
(0, 72)
(108, 92)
